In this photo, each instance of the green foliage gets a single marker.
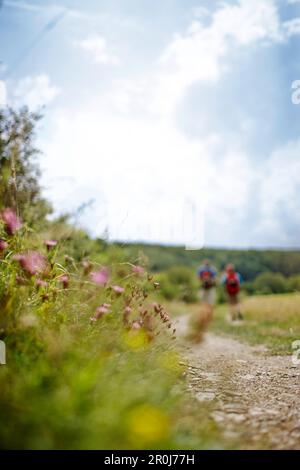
(19, 173)
(78, 378)
(270, 283)
(250, 263)
(178, 283)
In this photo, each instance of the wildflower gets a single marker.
(118, 289)
(138, 270)
(127, 311)
(86, 266)
(3, 245)
(31, 262)
(100, 311)
(100, 277)
(65, 280)
(11, 221)
(148, 425)
(50, 244)
(136, 325)
(41, 283)
(20, 280)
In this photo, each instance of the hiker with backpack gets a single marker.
(232, 281)
(207, 275)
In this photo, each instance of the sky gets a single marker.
(169, 121)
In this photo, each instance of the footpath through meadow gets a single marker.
(253, 397)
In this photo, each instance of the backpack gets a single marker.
(207, 279)
(232, 283)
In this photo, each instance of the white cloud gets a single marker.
(34, 91)
(139, 174)
(96, 47)
(2, 93)
(199, 54)
(292, 27)
(124, 146)
(280, 193)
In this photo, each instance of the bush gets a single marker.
(293, 284)
(270, 283)
(178, 283)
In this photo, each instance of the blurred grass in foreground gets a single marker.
(91, 362)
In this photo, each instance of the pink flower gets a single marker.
(20, 280)
(3, 245)
(126, 313)
(86, 266)
(118, 289)
(11, 221)
(41, 283)
(32, 262)
(100, 311)
(138, 270)
(50, 244)
(100, 277)
(65, 280)
(136, 325)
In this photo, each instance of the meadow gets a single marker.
(271, 320)
(93, 360)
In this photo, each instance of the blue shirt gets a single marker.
(205, 268)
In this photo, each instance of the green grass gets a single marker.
(271, 320)
(74, 383)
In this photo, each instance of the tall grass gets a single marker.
(91, 362)
(273, 320)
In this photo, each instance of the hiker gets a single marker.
(207, 275)
(232, 281)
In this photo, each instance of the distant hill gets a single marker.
(249, 263)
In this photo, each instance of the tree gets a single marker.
(19, 172)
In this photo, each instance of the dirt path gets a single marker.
(255, 397)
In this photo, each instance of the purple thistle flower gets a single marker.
(41, 283)
(11, 220)
(138, 270)
(65, 280)
(136, 325)
(3, 245)
(118, 289)
(31, 262)
(100, 311)
(50, 244)
(100, 277)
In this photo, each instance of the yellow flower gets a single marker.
(147, 424)
(135, 339)
(170, 360)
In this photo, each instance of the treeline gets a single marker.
(250, 263)
(263, 271)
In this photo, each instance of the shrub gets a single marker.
(270, 283)
(178, 283)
